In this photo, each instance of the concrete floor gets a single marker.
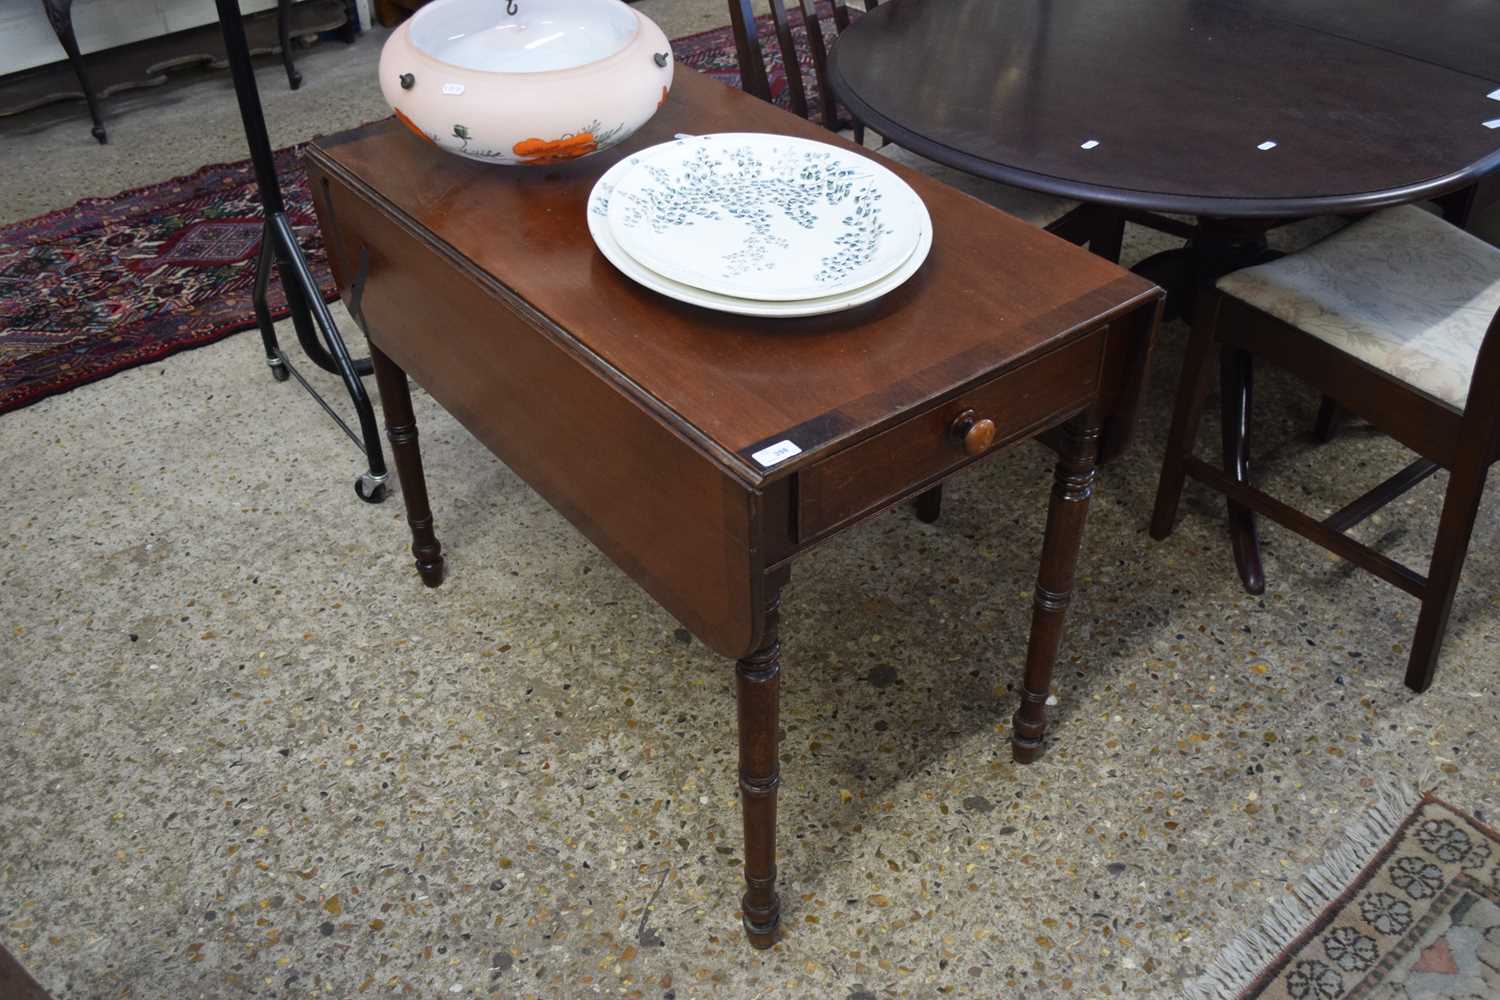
(244, 753)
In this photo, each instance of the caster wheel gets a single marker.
(279, 373)
(370, 489)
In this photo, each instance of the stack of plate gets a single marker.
(760, 225)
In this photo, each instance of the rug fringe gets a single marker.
(1243, 959)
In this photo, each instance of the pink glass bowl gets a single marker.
(526, 82)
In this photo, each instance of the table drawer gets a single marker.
(930, 445)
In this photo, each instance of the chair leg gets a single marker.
(1458, 206)
(1186, 415)
(1235, 381)
(1330, 418)
(1108, 235)
(1460, 508)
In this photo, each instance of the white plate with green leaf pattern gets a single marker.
(765, 217)
(598, 221)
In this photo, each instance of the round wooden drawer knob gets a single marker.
(973, 433)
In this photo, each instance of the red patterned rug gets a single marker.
(112, 283)
(116, 282)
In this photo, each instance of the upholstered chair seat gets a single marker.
(1401, 291)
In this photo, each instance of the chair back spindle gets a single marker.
(819, 51)
(753, 79)
(789, 55)
(753, 76)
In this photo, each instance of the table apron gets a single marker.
(881, 469)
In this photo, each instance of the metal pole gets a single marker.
(298, 284)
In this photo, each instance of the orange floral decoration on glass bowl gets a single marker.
(413, 126)
(569, 147)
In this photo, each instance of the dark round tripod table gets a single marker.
(1242, 113)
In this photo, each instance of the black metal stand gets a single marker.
(278, 246)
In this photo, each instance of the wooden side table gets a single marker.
(704, 452)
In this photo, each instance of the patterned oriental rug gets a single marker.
(1406, 908)
(112, 283)
(116, 282)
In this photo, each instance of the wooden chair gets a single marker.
(1080, 224)
(1397, 320)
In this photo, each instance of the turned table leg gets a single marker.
(758, 692)
(1072, 485)
(929, 504)
(401, 428)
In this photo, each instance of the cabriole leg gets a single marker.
(284, 38)
(60, 14)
